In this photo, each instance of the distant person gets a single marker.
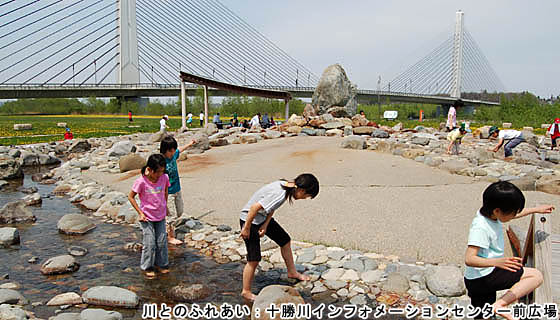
(189, 119)
(256, 120)
(487, 270)
(217, 120)
(256, 221)
(452, 115)
(363, 114)
(234, 122)
(163, 124)
(201, 117)
(272, 123)
(235, 115)
(152, 188)
(554, 132)
(68, 134)
(454, 137)
(265, 121)
(129, 116)
(513, 138)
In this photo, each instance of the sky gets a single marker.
(383, 38)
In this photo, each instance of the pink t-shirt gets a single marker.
(152, 196)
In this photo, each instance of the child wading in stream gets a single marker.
(487, 269)
(256, 221)
(151, 188)
(168, 147)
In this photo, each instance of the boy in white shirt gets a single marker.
(513, 138)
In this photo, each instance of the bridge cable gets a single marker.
(28, 14)
(14, 10)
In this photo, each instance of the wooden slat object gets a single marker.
(542, 256)
(515, 243)
(556, 266)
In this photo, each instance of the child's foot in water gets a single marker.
(175, 241)
(299, 276)
(248, 295)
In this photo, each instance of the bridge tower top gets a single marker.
(128, 69)
(458, 55)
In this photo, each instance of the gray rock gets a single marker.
(158, 136)
(127, 213)
(306, 257)
(455, 165)
(309, 132)
(359, 300)
(354, 264)
(354, 142)
(190, 293)
(211, 129)
(68, 298)
(365, 130)
(348, 131)
(32, 199)
(74, 224)
(121, 148)
(100, 314)
(59, 265)
(9, 236)
(91, 204)
(336, 254)
(14, 153)
(445, 281)
(332, 125)
(420, 141)
(10, 169)
(275, 294)
(46, 160)
(271, 134)
(16, 212)
(9, 312)
(66, 316)
(224, 228)
(380, 134)
(334, 89)
(333, 274)
(10, 296)
(60, 149)
(80, 146)
(396, 282)
(77, 251)
(220, 142)
(29, 190)
(335, 284)
(372, 276)
(110, 296)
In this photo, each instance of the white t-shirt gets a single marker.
(162, 124)
(201, 116)
(271, 197)
(255, 121)
(189, 116)
(451, 118)
(509, 134)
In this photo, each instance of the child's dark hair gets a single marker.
(305, 181)
(155, 161)
(167, 143)
(503, 195)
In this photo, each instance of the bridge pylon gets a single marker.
(128, 70)
(458, 55)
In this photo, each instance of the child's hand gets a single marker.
(547, 208)
(245, 233)
(510, 264)
(142, 217)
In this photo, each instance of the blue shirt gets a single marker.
(173, 173)
(488, 235)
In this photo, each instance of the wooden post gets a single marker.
(205, 105)
(543, 256)
(287, 109)
(183, 106)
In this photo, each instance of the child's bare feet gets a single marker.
(248, 295)
(299, 276)
(150, 274)
(174, 241)
(163, 270)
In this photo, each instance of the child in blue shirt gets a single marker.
(487, 270)
(168, 147)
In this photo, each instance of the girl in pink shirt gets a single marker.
(151, 188)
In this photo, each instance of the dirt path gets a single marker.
(368, 200)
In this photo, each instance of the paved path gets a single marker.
(368, 200)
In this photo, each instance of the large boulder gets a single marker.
(33, 199)
(296, 120)
(158, 136)
(455, 165)
(189, 293)
(16, 212)
(309, 111)
(10, 169)
(29, 159)
(359, 121)
(11, 296)
(68, 298)
(111, 296)
(10, 312)
(131, 161)
(396, 282)
(334, 89)
(354, 142)
(202, 143)
(59, 265)
(121, 148)
(211, 128)
(80, 146)
(9, 236)
(482, 132)
(531, 138)
(445, 281)
(378, 133)
(277, 295)
(364, 130)
(75, 223)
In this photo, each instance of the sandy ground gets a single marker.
(368, 200)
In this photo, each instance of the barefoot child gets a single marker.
(151, 188)
(487, 269)
(511, 138)
(256, 221)
(168, 147)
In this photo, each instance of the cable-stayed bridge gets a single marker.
(135, 48)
